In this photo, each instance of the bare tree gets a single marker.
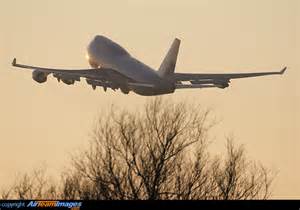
(161, 152)
(34, 185)
(237, 178)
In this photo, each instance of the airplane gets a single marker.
(113, 67)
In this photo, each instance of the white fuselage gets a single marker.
(107, 54)
(103, 52)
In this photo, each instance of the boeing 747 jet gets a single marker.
(113, 67)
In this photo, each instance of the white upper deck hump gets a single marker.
(104, 44)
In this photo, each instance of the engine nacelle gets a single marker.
(68, 81)
(125, 90)
(222, 85)
(39, 77)
(93, 64)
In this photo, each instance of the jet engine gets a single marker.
(68, 81)
(125, 90)
(222, 84)
(39, 77)
(93, 64)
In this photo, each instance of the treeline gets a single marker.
(158, 152)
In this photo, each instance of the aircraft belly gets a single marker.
(144, 74)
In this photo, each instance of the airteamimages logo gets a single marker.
(41, 204)
(57, 204)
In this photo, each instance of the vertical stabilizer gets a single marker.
(167, 67)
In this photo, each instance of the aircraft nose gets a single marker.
(97, 43)
(94, 40)
(98, 38)
(92, 46)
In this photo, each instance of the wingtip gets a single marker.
(14, 62)
(283, 70)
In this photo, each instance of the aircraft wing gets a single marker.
(186, 77)
(79, 72)
(105, 77)
(215, 80)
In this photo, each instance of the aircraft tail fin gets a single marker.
(167, 67)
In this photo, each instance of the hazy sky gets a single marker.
(45, 123)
